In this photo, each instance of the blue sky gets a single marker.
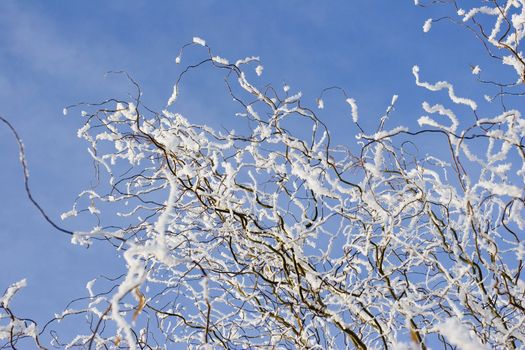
(56, 53)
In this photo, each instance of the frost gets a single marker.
(246, 60)
(425, 120)
(483, 9)
(386, 133)
(83, 238)
(173, 96)
(502, 189)
(93, 210)
(31, 330)
(82, 131)
(313, 280)
(293, 98)
(394, 100)
(520, 250)
(252, 112)
(245, 235)
(353, 105)
(427, 25)
(392, 103)
(220, 60)
(199, 41)
(437, 108)
(458, 335)
(89, 287)
(443, 85)
(517, 64)
(11, 291)
(204, 282)
(67, 214)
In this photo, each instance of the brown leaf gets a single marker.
(142, 302)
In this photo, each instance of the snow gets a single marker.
(443, 85)
(520, 250)
(246, 60)
(518, 66)
(458, 335)
(501, 189)
(67, 214)
(313, 280)
(220, 60)
(278, 177)
(252, 112)
(394, 100)
(89, 287)
(11, 291)
(173, 96)
(385, 133)
(353, 105)
(483, 9)
(93, 210)
(163, 221)
(440, 109)
(204, 282)
(199, 41)
(392, 103)
(100, 160)
(82, 131)
(425, 120)
(293, 98)
(427, 25)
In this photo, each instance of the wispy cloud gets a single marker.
(40, 44)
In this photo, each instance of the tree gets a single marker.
(276, 238)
